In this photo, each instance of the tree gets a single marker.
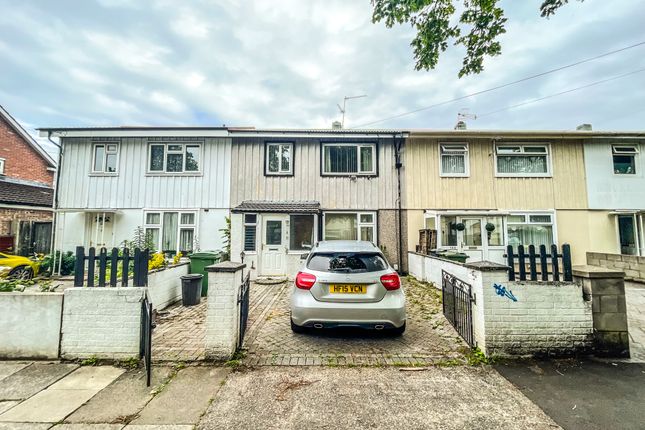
(478, 28)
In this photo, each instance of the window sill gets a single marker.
(191, 174)
(99, 174)
(448, 175)
(523, 175)
(277, 174)
(349, 175)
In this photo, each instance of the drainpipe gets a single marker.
(396, 143)
(55, 208)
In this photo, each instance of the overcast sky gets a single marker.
(287, 63)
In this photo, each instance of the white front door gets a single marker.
(274, 245)
(479, 243)
(472, 241)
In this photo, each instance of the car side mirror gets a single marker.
(304, 256)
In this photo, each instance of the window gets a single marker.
(522, 160)
(624, 158)
(628, 234)
(349, 159)
(301, 232)
(273, 232)
(1, 166)
(250, 231)
(448, 231)
(279, 159)
(347, 262)
(171, 231)
(174, 157)
(105, 157)
(350, 226)
(530, 229)
(454, 160)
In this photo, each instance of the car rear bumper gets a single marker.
(306, 311)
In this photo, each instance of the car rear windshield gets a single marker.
(347, 262)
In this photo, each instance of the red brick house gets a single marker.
(26, 190)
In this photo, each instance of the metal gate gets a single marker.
(457, 305)
(243, 305)
(145, 344)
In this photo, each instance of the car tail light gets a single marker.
(391, 281)
(305, 281)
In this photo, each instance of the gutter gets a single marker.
(55, 206)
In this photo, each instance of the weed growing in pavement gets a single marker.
(476, 357)
(129, 363)
(90, 361)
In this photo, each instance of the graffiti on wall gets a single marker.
(501, 290)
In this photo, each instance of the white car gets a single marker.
(347, 284)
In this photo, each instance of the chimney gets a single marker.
(461, 125)
(584, 127)
(336, 125)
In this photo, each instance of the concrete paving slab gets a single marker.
(6, 405)
(24, 426)
(55, 403)
(185, 398)
(160, 427)
(88, 427)
(375, 398)
(32, 379)
(10, 367)
(127, 395)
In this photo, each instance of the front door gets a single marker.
(274, 246)
(472, 239)
(482, 238)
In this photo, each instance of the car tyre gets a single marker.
(297, 328)
(398, 331)
(21, 272)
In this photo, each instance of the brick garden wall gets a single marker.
(21, 160)
(632, 265)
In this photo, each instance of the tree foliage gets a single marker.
(477, 28)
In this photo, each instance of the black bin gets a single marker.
(191, 289)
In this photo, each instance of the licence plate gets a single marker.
(347, 289)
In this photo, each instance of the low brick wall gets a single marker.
(30, 325)
(164, 286)
(101, 322)
(632, 265)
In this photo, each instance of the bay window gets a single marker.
(350, 226)
(522, 160)
(171, 231)
(349, 159)
(175, 157)
(530, 229)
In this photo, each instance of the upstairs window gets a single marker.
(624, 159)
(522, 160)
(174, 158)
(454, 159)
(349, 159)
(250, 231)
(105, 157)
(279, 159)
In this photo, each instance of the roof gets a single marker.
(504, 134)
(25, 195)
(26, 137)
(345, 246)
(306, 206)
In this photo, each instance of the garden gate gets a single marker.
(243, 305)
(457, 305)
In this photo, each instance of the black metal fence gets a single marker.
(243, 304)
(114, 260)
(532, 260)
(457, 305)
(145, 342)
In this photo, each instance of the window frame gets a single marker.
(2, 166)
(358, 145)
(315, 232)
(104, 171)
(280, 143)
(359, 224)
(635, 154)
(185, 144)
(522, 145)
(465, 153)
(194, 226)
(246, 224)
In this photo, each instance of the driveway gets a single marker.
(429, 337)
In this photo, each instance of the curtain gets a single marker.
(169, 236)
(521, 164)
(186, 239)
(340, 227)
(453, 164)
(530, 235)
(301, 235)
(341, 159)
(367, 163)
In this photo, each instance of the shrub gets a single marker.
(49, 264)
(157, 261)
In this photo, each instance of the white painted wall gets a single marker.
(607, 190)
(30, 325)
(102, 322)
(222, 314)
(164, 286)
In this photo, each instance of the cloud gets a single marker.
(287, 63)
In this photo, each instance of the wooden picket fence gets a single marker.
(531, 260)
(114, 260)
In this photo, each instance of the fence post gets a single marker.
(144, 267)
(114, 266)
(511, 264)
(566, 263)
(522, 262)
(79, 265)
(102, 266)
(544, 268)
(137, 267)
(91, 261)
(554, 262)
(532, 263)
(125, 267)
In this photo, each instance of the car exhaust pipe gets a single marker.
(318, 325)
(379, 326)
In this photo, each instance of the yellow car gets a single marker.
(15, 266)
